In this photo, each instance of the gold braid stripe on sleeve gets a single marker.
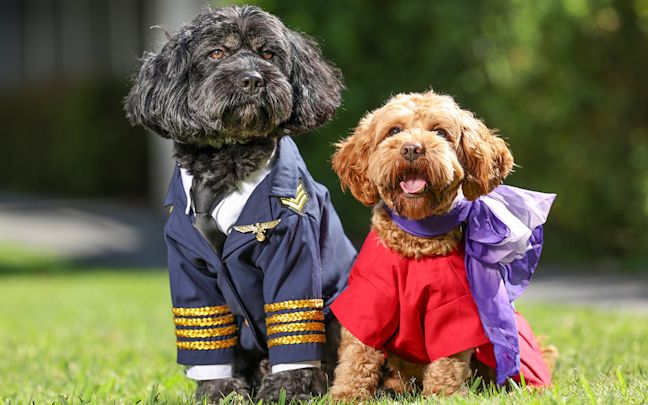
(207, 344)
(211, 321)
(296, 327)
(202, 311)
(296, 339)
(295, 316)
(294, 304)
(203, 333)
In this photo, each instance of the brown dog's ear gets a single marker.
(350, 162)
(485, 157)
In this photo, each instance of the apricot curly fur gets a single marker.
(549, 353)
(359, 369)
(401, 375)
(446, 375)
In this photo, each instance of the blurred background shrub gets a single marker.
(564, 82)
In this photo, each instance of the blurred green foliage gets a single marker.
(565, 81)
(71, 140)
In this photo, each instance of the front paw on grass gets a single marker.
(301, 385)
(213, 391)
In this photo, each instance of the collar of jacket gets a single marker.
(284, 176)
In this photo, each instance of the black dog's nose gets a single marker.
(250, 81)
(412, 151)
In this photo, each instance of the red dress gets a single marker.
(420, 310)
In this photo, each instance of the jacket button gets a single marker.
(246, 323)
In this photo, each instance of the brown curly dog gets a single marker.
(417, 154)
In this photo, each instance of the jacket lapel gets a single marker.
(257, 209)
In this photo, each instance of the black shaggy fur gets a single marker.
(214, 390)
(220, 168)
(300, 385)
(222, 132)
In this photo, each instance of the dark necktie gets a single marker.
(204, 200)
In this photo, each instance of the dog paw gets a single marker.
(301, 385)
(386, 393)
(445, 376)
(215, 390)
(346, 393)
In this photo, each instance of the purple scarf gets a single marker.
(503, 235)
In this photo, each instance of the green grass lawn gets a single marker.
(107, 337)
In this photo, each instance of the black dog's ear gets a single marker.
(317, 85)
(158, 98)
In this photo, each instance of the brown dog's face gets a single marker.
(416, 153)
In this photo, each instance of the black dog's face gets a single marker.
(234, 74)
(240, 79)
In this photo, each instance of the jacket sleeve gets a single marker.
(205, 328)
(292, 291)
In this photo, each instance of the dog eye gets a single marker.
(267, 55)
(217, 54)
(441, 132)
(394, 130)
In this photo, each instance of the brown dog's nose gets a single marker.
(412, 151)
(250, 81)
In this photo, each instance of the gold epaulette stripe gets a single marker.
(203, 333)
(294, 304)
(296, 327)
(207, 344)
(295, 316)
(297, 203)
(202, 311)
(211, 321)
(296, 339)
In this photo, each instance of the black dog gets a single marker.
(227, 89)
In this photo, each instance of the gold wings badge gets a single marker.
(258, 229)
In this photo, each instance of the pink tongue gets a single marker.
(413, 184)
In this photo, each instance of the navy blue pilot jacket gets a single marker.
(284, 262)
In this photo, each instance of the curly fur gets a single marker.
(446, 376)
(402, 376)
(221, 168)
(359, 369)
(456, 153)
(214, 390)
(409, 245)
(299, 385)
(223, 132)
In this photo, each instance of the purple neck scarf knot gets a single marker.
(503, 237)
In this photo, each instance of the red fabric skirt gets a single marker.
(532, 366)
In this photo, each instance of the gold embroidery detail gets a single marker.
(297, 203)
(296, 327)
(202, 311)
(295, 316)
(203, 333)
(294, 304)
(211, 321)
(207, 344)
(296, 339)
(258, 229)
